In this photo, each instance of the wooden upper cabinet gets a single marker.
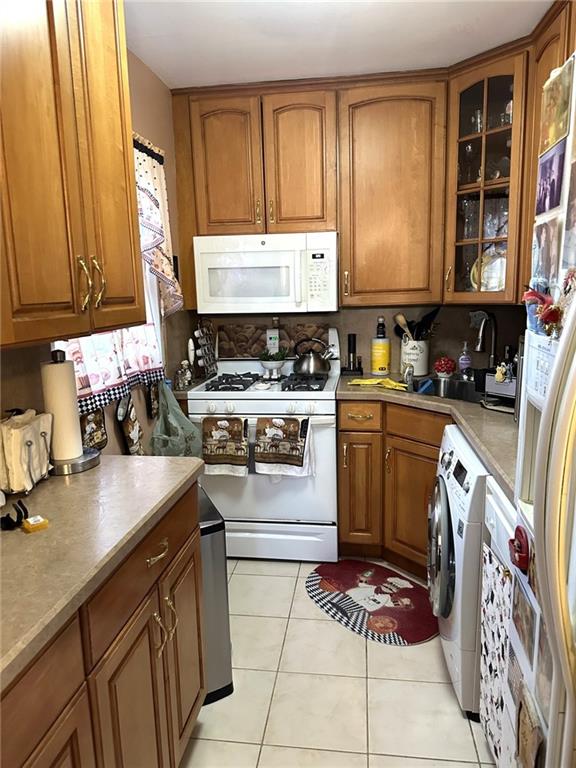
(550, 50)
(114, 242)
(227, 162)
(300, 161)
(42, 196)
(392, 141)
(360, 487)
(485, 139)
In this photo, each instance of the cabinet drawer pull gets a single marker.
(150, 561)
(171, 629)
(258, 212)
(100, 271)
(89, 284)
(346, 283)
(447, 278)
(387, 459)
(360, 416)
(271, 211)
(345, 456)
(163, 634)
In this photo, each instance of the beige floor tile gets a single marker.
(257, 641)
(220, 754)
(261, 595)
(421, 719)
(306, 569)
(267, 567)
(304, 607)
(241, 716)
(318, 712)
(323, 648)
(230, 565)
(484, 753)
(288, 757)
(413, 662)
(393, 761)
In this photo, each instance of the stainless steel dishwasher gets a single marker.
(217, 645)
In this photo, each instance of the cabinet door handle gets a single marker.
(345, 456)
(258, 212)
(387, 460)
(89, 284)
(346, 283)
(447, 278)
(163, 634)
(171, 629)
(100, 271)
(271, 211)
(360, 416)
(150, 561)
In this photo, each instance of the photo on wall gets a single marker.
(556, 107)
(569, 249)
(550, 172)
(546, 253)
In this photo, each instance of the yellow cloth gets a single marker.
(385, 383)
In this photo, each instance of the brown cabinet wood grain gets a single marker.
(300, 161)
(69, 743)
(360, 487)
(410, 475)
(128, 695)
(416, 424)
(392, 148)
(227, 163)
(181, 603)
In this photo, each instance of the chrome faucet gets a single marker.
(408, 376)
(479, 319)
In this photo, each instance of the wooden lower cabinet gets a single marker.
(69, 743)
(360, 487)
(409, 481)
(181, 601)
(128, 694)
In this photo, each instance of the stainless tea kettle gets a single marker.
(312, 363)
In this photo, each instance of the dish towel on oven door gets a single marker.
(284, 447)
(225, 446)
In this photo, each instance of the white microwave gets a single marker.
(267, 273)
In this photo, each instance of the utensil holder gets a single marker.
(415, 353)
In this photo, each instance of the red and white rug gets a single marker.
(374, 601)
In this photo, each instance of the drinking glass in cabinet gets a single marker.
(498, 149)
(468, 216)
(493, 270)
(469, 162)
(495, 213)
(466, 258)
(471, 109)
(500, 101)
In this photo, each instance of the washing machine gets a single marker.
(455, 534)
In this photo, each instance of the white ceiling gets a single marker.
(209, 42)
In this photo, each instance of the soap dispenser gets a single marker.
(465, 360)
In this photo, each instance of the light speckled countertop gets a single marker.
(96, 520)
(493, 435)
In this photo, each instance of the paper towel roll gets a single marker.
(61, 400)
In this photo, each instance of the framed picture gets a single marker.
(544, 670)
(546, 253)
(524, 620)
(556, 107)
(569, 250)
(550, 172)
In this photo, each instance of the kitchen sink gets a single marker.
(456, 389)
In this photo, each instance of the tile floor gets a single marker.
(311, 694)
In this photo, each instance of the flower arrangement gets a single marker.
(445, 367)
(542, 308)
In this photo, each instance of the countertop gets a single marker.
(493, 435)
(96, 519)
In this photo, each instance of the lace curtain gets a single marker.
(108, 365)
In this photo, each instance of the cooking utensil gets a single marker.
(311, 363)
(400, 320)
(423, 327)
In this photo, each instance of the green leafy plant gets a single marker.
(267, 356)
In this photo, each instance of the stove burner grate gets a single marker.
(232, 382)
(300, 383)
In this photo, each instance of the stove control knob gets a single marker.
(230, 407)
(466, 486)
(310, 408)
(211, 407)
(291, 408)
(446, 459)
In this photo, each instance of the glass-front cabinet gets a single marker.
(485, 134)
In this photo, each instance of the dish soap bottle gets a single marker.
(380, 357)
(464, 361)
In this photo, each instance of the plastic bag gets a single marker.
(173, 434)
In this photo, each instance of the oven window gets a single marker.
(249, 282)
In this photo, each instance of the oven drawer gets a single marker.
(357, 416)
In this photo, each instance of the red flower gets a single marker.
(551, 314)
(536, 297)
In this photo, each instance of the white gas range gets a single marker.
(276, 517)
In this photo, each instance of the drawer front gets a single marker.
(360, 416)
(104, 615)
(33, 704)
(416, 424)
